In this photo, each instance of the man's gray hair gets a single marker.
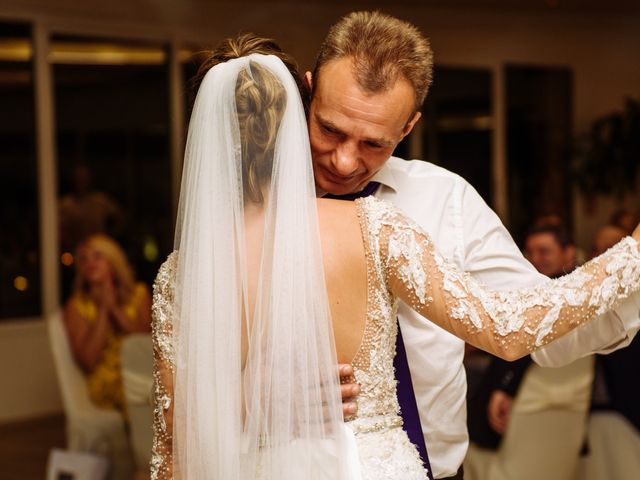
(382, 48)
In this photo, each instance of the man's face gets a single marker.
(547, 255)
(352, 132)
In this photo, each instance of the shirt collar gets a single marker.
(386, 177)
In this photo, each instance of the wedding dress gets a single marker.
(403, 264)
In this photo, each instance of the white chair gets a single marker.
(546, 429)
(614, 448)
(76, 465)
(88, 428)
(137, 377)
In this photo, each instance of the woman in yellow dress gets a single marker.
(106, 305)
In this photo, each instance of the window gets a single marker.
(539, 133)
(112, 120)
(458, 125)
(19, 223)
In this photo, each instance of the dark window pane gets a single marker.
(539, 145)
(19, 223)
(112, 118)
(458, 125)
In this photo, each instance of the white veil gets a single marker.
(278, 416)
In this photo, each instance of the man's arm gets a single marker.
(492, 257)
(508, 375)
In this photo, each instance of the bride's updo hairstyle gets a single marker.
(260, 102)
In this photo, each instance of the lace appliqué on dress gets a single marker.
(384, 449)
(519, 321)
(164, 367)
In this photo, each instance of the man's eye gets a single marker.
(373, 145)
(328, 129)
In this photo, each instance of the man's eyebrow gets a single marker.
(328, 124)
(384, 142)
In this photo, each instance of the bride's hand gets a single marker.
(348, 390)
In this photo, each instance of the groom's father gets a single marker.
(372, 74)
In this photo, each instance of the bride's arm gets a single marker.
(508, 324)
(163, 353)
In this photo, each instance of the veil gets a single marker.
(256, 393)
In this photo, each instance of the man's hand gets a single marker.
(499, 411)
(348, 390)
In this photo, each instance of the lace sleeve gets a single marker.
(163, 352)
(509, 324)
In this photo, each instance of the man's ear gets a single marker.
(410, 124)
(308, 80)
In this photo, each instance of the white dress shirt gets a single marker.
(465, 230)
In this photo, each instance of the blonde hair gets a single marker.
(382, 48)
(260, 102)
(125, 280)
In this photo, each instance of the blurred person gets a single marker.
(606, 237)
(106, 305)
(550, 406)
(371, 77)
(550, 250)
(621, 369)
(85, 211)
(548, 219)
(614, 423)
(625, 219)
(244, 360)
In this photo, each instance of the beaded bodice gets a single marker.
(403, 264)
(373, 362)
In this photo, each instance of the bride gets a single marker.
(269, 288)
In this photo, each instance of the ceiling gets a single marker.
(570, 6)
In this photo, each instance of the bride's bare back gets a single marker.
(344, 267)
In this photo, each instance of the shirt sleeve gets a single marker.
(604, 336)
(511, 323)
(163, 353)
(509, 375)
(490, 254)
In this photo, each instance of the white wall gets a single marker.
(601, 50)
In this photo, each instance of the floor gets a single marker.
(25, 446)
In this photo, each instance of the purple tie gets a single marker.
(407, 401)
(367, 191)
(406, 397)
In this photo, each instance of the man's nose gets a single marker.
(345, 159)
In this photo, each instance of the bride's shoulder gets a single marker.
(376, 209)
(335, 211)
(162, 310)
(372, 210)
(168, 267)
(163, 284)
(378, 214)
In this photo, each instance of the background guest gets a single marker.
(106, 304)
(519, 406)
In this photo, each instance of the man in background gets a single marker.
(521, 412)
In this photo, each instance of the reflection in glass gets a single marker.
(112, 120)
(458, 125)
(539, 111)
(19, 223)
